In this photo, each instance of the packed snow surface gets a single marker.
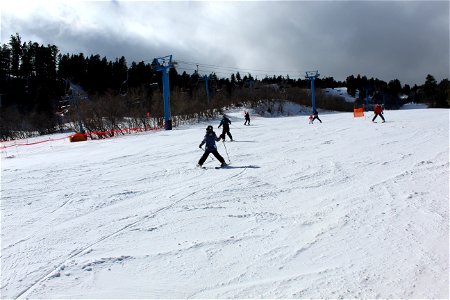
(344, 208)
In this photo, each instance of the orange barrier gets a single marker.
(78, 137)
(358, 112)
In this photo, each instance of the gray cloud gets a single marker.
(403, 40)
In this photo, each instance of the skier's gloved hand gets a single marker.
(200, 146)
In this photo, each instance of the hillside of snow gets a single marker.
(346, 208)
(341, 92)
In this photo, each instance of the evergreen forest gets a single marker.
(44, 91)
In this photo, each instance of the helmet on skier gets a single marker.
(209, 128)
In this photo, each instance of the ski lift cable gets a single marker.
(215, 68)
(236, 68)
(221, 73)
(227, 73)
(225, 70)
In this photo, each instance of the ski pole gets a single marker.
(229, 161)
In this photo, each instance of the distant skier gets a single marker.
(315, 116)
(247, 118)
(210, 140)
(226, 127)
(378, 110)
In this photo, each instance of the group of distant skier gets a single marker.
(378, 111)
(211, 138)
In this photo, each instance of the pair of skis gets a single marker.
(219, 167)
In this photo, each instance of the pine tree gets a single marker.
(430, 89)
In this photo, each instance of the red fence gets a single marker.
(90, 134)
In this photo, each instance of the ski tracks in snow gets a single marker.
(322, 211)
(54, 270)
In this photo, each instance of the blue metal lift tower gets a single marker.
(164, 64)
(312, 75)
(206, 79)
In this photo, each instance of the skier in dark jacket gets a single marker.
(378, 111)
(210, 140)
(226, 127)
(247, 118)
(315, 116)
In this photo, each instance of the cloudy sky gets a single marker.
(403, 40)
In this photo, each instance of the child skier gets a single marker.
(210, 140)
(247, 118)
(226, 127)
(315, 116)
(378, 110)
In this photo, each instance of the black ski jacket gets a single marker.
(210, 140)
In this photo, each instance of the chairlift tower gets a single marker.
(312, 75)
(74, 97)
(367, 99)
(164, 64)
(77, 101)
(205, 78)
(123, 91)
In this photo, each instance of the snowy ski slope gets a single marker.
(347, 208)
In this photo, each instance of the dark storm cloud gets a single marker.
(383, 39)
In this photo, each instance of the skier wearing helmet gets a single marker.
(210, 140)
